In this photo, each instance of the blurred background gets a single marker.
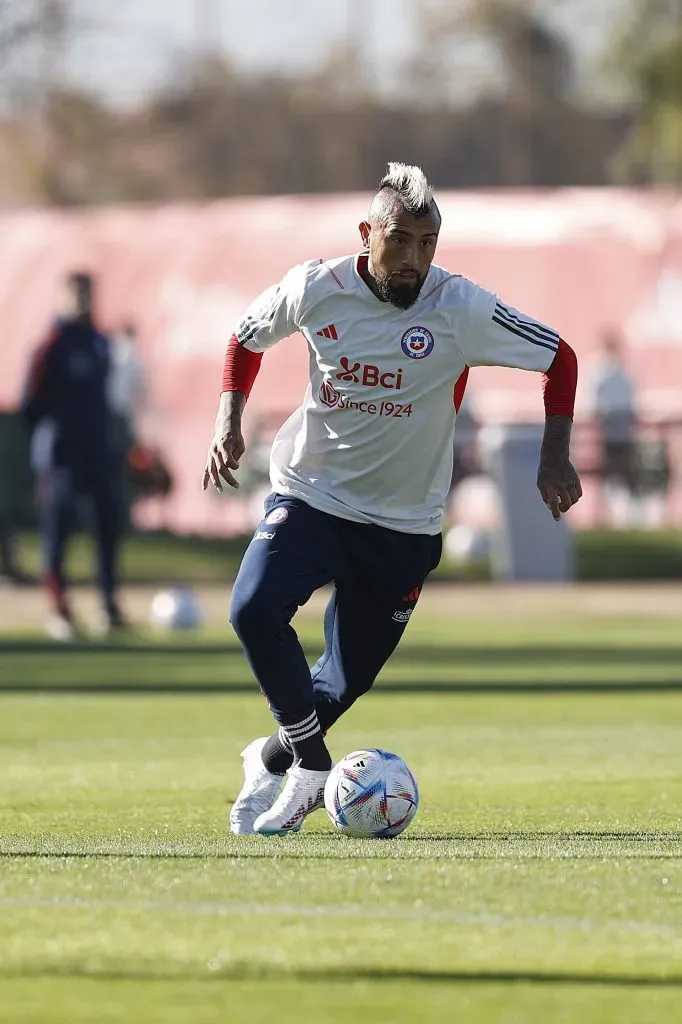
(188, 152)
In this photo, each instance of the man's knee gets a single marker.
(254, 612)
(330, 706)
(357, 684)
(342, 685)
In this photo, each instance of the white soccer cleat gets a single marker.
(258, 793)
(60, 628)
(303, 793)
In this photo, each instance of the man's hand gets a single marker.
(558, 482)
(227, 446)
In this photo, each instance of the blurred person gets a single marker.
(360, 472)
(465, 461)
(127, 387)
(652, 474)
(128, 400)
(72, 449)
(613, 404)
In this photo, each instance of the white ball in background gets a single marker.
(177, 608)
(466, 544)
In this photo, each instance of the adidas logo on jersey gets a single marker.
(328, 332)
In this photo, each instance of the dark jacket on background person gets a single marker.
(66, 393)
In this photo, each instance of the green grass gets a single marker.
(579, 654)
(163, 557)
(541, 880)
(148, 558)
(159, 557)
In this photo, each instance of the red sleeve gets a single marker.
(240, 368)
(39, 362)
(560, 382)
(460, 388)
(39, 383)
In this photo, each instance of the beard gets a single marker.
(401, 295)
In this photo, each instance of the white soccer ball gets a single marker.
(371, 794)
(177, 608)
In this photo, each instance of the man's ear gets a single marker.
(364, 233)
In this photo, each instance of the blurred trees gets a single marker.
(211, 131)
(647, 57)
(16, 26)
(520, 125)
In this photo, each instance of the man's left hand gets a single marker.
(559, 484)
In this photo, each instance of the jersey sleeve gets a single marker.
(499, 335)
(274, 314)
(38, 392)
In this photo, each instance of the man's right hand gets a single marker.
(227, 446)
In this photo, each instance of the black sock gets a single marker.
(307, 743)
(276, 754)
(312, 753)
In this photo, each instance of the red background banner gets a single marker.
(582, 260)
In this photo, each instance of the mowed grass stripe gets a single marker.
(437, 653)
(223, 909)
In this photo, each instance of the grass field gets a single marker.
(155, 557)
(540, 882)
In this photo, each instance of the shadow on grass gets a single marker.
(42, 666)
(247, 972)
(338, 847)
(482, 687)
(550, 654)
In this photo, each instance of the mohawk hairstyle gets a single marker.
(410, 186)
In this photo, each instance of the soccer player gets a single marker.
(361, 470)
(66, 406)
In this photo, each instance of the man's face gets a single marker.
(77, 302)
(401, 250)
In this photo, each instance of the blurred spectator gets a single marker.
(72, 448)
(127, 387)
(652, 477)
(465, 456)
(465, 448)
(613, 403)
(145, 473)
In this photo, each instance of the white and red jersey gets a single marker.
(373, 438)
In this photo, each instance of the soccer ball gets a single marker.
(177, 608)
(371, 794)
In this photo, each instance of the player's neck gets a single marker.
(366, 274)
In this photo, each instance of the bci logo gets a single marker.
(369, 375)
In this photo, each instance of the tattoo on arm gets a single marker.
(557, 437)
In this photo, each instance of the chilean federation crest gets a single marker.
(417, 343)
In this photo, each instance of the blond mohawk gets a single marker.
(410, 185)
